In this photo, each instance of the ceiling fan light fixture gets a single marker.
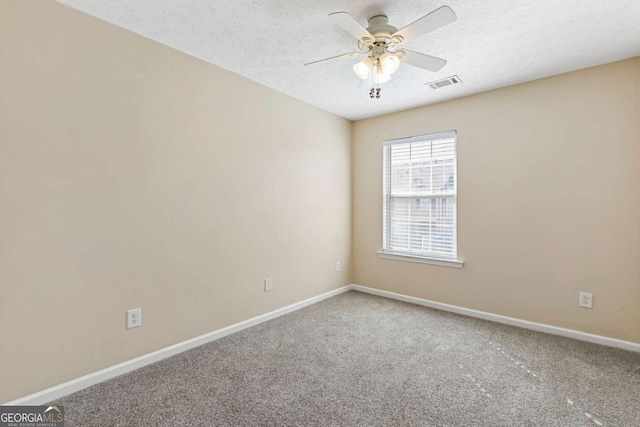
(362, 68)
(380, 76)
(380, 42)
(389, 63)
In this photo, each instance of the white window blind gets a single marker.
(420, 196)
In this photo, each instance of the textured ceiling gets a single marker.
(494, 43)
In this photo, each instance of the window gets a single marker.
(420, 198)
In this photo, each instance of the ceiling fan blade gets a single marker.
(438, 18)
(350, 55)
(420, 60)
(352, 26)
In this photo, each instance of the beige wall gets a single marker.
(548, 201)
(132, 175)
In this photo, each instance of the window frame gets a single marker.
(421, 257)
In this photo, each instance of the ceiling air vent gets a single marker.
(453, 80)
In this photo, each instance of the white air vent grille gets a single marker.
(453, 80)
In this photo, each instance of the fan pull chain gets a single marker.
(374, 92)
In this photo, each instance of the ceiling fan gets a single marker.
(380, 43)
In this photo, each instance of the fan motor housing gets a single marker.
(380, 29)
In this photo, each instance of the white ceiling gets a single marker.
(494, 43)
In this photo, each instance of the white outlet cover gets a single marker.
(134, 318)
(586, 300)
(268, 284)
(338, 266)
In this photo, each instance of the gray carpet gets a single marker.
(362, 360)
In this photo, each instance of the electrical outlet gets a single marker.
(337, 265)
(268, 284)
(134, 318)
(586, 300)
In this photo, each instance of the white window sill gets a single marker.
(445, 262)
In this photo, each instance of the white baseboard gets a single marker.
(78, 384)
(540, 327)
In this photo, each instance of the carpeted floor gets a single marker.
(361, 360)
